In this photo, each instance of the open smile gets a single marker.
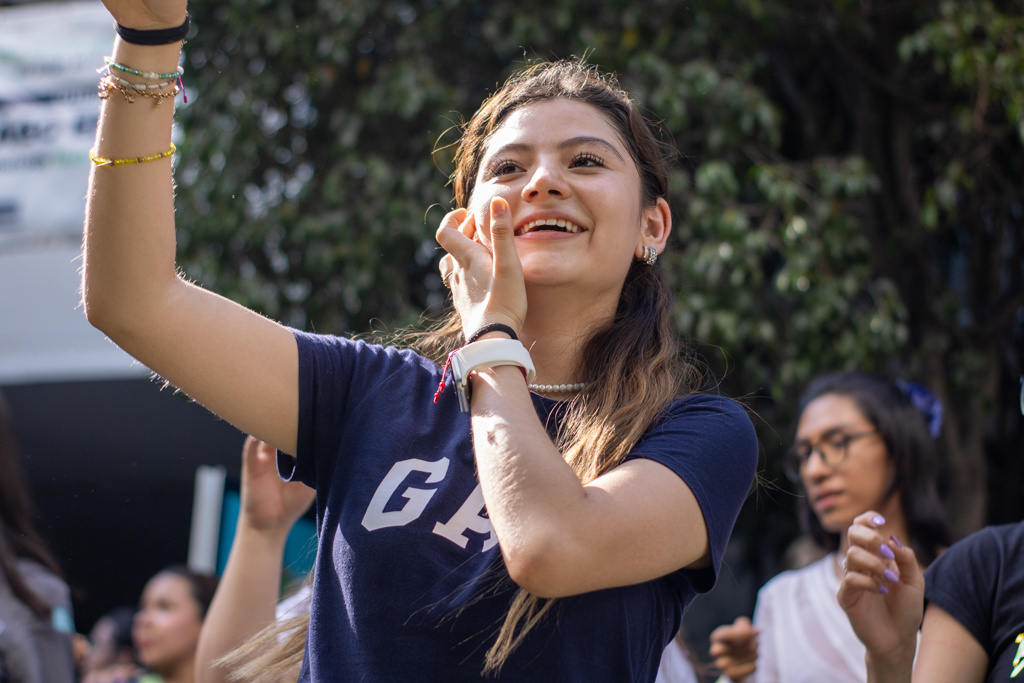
(549, 225)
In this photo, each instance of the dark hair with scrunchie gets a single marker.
(909, 442)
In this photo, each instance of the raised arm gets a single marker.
(238, 364)
(247, 594)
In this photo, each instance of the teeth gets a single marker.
(556, 222)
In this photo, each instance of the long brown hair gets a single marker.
(18, 538)
(633, 366)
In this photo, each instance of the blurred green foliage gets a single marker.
(850, 192)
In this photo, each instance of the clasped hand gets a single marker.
(487, 283)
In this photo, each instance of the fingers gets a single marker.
(734, 648)
(877, 558)
(455, 224)
(453, 234)
(738, 632)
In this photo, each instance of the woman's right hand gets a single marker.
(145, 15)
(734, 649)
(882, 591)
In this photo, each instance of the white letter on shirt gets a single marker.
(468, 517)
(376, 518)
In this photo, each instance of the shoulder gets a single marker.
(44, 583)
(709, 406)
(986, 547)
(711, 429)
(326, 357)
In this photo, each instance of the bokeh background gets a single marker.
(849, 194)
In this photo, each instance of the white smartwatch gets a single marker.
(487, 353)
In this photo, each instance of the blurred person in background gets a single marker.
(972, 627)
(862, 443)
(111, 654)
(166, 627)
(36, 626)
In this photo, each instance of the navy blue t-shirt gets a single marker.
(409, 583)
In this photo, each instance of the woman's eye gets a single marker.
(587, 160)
(838, 442)
(503, 167)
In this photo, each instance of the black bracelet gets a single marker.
(493, 327)
(162, 36)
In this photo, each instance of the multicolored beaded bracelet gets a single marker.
(100, 161)
(105, 72)
(109, 61)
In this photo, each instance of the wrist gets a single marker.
(269, 535)
(485, 354)
(154, 35)
(486, 328)
(896, 666)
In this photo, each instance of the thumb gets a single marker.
(503, 246)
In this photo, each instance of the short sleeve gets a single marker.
(335, 376)
(710, 443)
(962, 581)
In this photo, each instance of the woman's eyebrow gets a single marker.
(590, 139)
(521, 147)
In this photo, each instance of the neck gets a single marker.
(183, 672)
(557, 326)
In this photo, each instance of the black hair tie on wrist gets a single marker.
(162, 36)
(493, 327)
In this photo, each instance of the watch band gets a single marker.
(488, 353)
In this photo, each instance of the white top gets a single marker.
(805, 635)
(675, 667)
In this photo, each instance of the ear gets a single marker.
(655, 227)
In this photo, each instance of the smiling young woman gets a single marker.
(553, 535)
(860, 444)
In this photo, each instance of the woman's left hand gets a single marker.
(269, 503)
(882, 592)
(487, 285)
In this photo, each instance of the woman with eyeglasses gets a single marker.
(861, 443)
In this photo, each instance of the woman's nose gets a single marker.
(814, 468)
(545, 181)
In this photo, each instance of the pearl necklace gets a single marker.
(558, 388)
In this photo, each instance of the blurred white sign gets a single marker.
(49, 54)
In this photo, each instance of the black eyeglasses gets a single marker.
(833, 447)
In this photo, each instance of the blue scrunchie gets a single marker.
(926, 402)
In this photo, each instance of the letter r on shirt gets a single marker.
(468, 518)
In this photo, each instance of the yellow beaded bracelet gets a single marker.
(100, 161)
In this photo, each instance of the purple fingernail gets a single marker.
(886, 552)
(883, 590)
(897, 542)
(890, 576)
(878, 520)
